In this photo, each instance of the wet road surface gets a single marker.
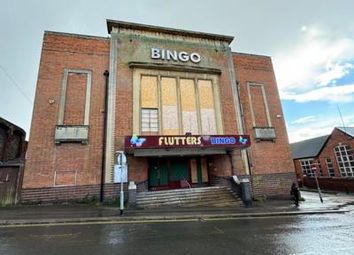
(312, 234)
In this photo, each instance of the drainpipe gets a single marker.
(104, 137)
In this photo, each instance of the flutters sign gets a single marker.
(192, 141)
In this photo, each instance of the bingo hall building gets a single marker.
(184, 109)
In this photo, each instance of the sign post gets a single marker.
(314, 170)
(121, 176)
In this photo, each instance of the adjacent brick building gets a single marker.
(331, 157)
(180, 104)
(12, 156)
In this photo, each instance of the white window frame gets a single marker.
(306, 166)
(345, 159)
(330, 167)
(149, 124)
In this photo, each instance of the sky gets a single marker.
(311, 43)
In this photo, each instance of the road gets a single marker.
(306, 234)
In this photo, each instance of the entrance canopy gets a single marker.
(184, 145)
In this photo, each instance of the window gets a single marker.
(306, 166)
(176, 103)
(149, 121)
(345, 159)
(330, 167)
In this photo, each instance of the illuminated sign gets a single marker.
(187, 141)
(173, 55)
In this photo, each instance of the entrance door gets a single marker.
(167, 173)
(158, 173)
(179, 170)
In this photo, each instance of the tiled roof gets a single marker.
(308, 148)
(347, 130)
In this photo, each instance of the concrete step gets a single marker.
(181, 191)
(219, 196)
(215, 196)
(201, 200)
(176, 192)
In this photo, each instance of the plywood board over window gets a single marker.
(149, 91)
(188, 105)
(169, 106)
(207, 108)
(175, 97)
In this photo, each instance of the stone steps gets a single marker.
(196, 197)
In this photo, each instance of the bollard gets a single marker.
(132, 194)
(246, 193)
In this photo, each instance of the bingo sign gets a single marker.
(187, 141)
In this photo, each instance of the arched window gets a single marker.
(345, 159)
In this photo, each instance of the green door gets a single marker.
(179, 170)
(158, 173)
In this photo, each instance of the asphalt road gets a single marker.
(312, 234)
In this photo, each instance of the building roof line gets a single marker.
(166, 30)
(76, 35)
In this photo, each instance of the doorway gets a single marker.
(172, 173)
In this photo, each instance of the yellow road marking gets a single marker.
(140, 221)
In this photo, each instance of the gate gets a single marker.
(10, 184)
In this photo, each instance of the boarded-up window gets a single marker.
(188, 105)
(169, 106)
(207, 109)
(149, 105)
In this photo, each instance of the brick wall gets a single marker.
(44, 158)
(272, 185)
(331, 183)
(266, 156)
(337, 137)
(49, 165)
(70, 193)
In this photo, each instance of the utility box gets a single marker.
(246, 193)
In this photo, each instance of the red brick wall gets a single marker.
(70, 193)
(298, 170)
(82, 163)
(337, 137)
(258, 104)
(266, 157)
(60, 51)
(75, 99)
(331, 183)
(272, 185)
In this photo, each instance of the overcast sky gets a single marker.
(311, 43)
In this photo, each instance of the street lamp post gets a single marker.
(314, 171)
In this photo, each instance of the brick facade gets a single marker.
(55, 170)
(336, 182)
(45, 159)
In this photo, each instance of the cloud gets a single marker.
(333, 73)
(333, 94)
(322, 126)
(307, 71)
(305, 119)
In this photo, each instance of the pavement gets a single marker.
(95, 214)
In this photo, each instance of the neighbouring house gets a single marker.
(330, 156)
(184, 109)
(12, 155)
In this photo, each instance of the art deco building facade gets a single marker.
(180, 104)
